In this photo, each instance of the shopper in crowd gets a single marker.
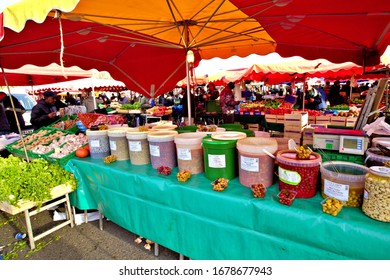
(88, 101)
(326, 88)
(70, 100)
(212, 92)
(324, 99)
(9, 112)
(44, 112)
(59, 104)
(227, 103)
(334, 94)
(145, 103)
(4, 125)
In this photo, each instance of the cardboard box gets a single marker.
(322, 120)
(339, 121)
(271, 118)
(296, 118)
(280, 118)
(312, 119)
(293, 135)
(308, 133)
(307, 142)
(293, 129)
(351, 121)
(253, 126)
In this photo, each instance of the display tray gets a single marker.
(23, 205)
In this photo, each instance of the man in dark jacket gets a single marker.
(9, 112)
(44, 112)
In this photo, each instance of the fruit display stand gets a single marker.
(60, 194)
(194, 220)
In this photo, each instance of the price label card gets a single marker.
(135, 146)
(154, 150)
(184, 154)
(217, 161)
(249, 164)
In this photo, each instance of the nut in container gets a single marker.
(332, 206)
(220, 184)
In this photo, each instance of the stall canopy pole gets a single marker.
(14, 110)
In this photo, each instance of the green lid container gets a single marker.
(186, 128)
(220, 157)
(230, 126)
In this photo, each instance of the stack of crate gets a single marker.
(325, 120)
(294, 124)
(308, 135)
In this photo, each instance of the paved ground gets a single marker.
(83, 242)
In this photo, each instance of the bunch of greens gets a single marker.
(32, 181)
(134, 106)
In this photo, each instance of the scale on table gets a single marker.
(346, 141)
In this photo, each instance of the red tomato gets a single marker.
(87, 147)
(82, 153)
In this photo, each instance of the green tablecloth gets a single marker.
(192, 219)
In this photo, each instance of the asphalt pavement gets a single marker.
(82, 242)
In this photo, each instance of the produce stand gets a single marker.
(60, 194)
(192, 219)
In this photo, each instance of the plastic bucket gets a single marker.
(282, 143)
(230, 126)
(164, 127)
(186, 128)
(189, 151)
(138, 147)
(98, 143)
(343, 180)
(375, 158)
(219, 158)
(162, 148)
(255, 166)
(384, 141)
(298, 175)
(119, 146)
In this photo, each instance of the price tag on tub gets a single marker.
(154, 150)
(94, 143)
(338, 191)
(184, 154)
(217, 161)
(249, 164)
(135, 146)
(289, 177)
(113, 145)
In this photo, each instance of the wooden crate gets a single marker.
(297, 119)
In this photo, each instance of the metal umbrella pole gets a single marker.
(14, 110)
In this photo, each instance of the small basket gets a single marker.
(286, 197)
(258, 190)
(332, 206)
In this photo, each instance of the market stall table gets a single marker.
(60, 194)
(192, 219)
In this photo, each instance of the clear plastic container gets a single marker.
(374, 157)
(376, 198)
(189, 151)
(138, 147)
(98, 143)
(255, 165)
(164, 127)
(119, 146)
(298, 175)
(343, 181)
(162, 148)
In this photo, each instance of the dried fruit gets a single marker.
(258, 190)
(109, 159)
(286, 197)
(220, 184)
(183, 176)
(164, 170)
(303, 152)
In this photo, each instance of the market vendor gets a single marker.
(44, 112)
(4, 125)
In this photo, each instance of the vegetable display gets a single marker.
(31, 181)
